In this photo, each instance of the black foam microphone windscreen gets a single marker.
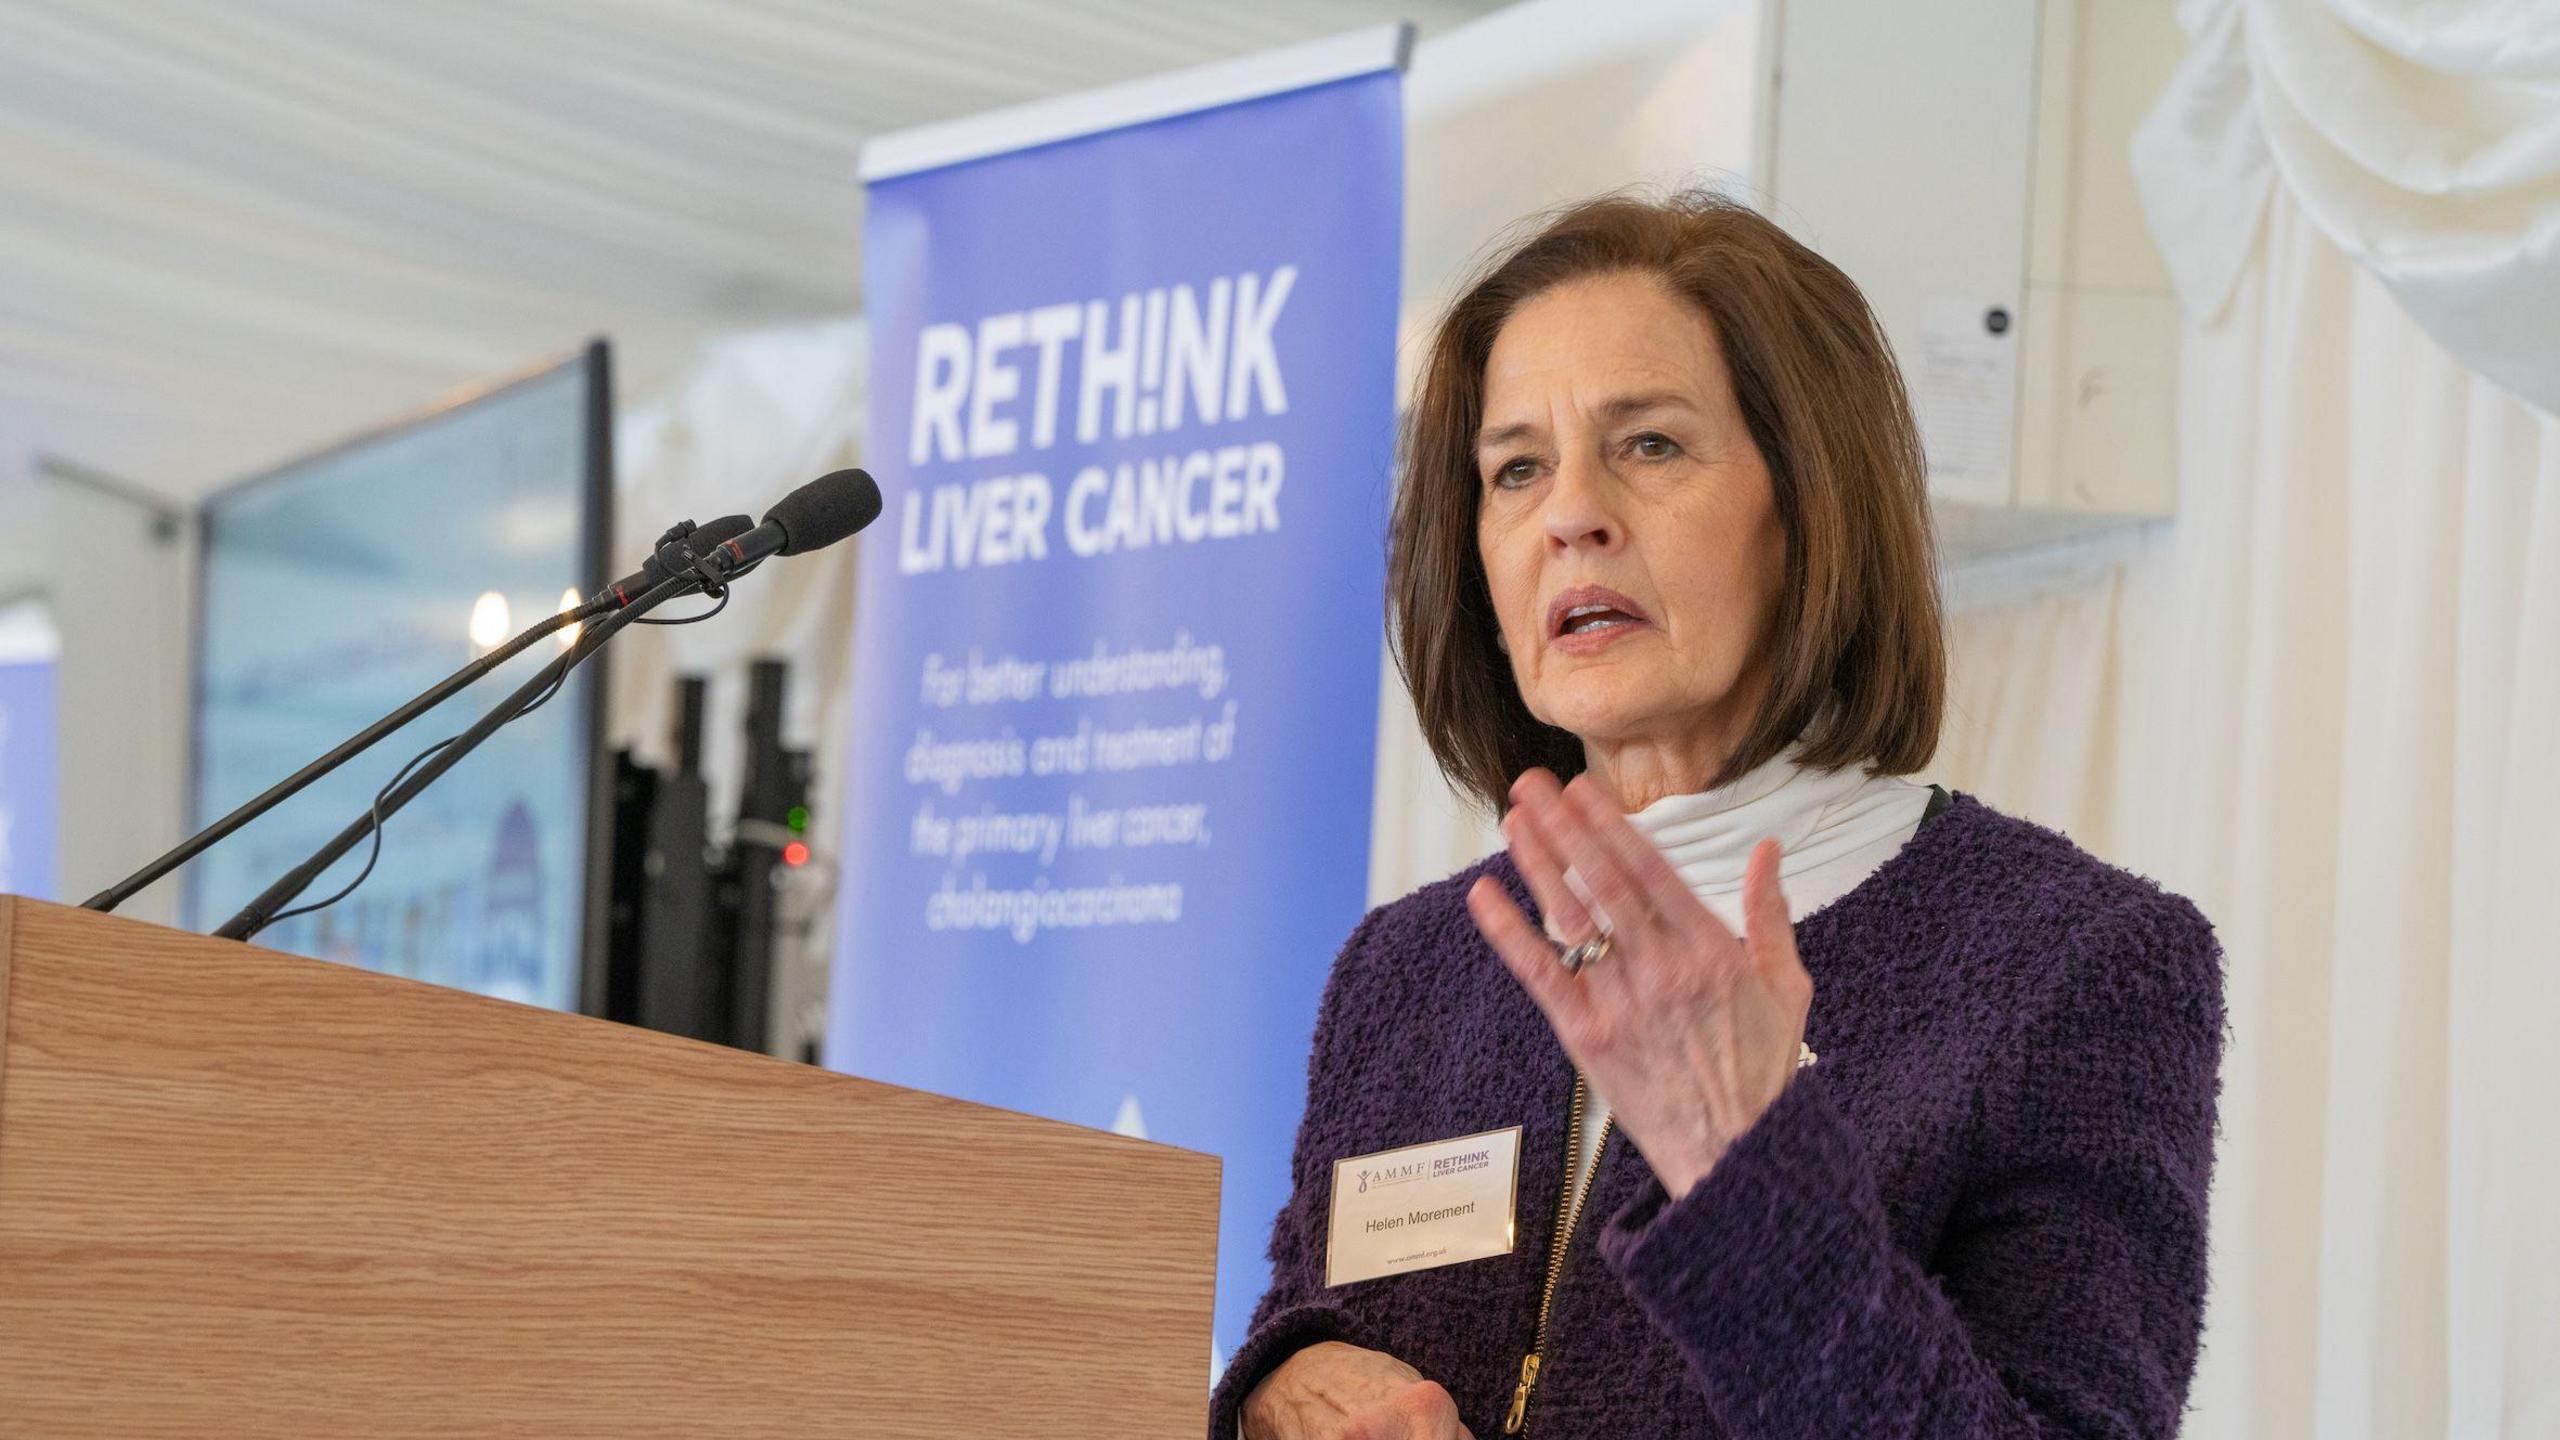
(825, 510)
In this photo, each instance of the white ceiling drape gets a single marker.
(2420, 137)
(231, 232)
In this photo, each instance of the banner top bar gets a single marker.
(1115, 107)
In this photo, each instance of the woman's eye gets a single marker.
(1516, 472)
(1654, 446)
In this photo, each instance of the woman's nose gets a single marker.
(1581, 510)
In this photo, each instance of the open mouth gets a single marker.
(1584, 619)
(1592, 610)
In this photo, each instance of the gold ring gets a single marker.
(1590, 952)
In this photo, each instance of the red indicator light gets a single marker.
(795, 854)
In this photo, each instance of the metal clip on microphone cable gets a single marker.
(697, 563)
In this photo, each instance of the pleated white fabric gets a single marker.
(2324, 705)
(2422, 137)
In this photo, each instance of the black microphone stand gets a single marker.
(675, 554)
(256, 915)
(363, 740)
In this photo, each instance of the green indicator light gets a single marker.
(798, 819)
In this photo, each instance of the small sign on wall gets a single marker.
(1964, 390)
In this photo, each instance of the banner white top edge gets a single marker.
(1157, 97)
(27, 637)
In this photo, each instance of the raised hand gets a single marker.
(1688, 1030)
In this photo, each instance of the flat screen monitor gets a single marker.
(338, 587)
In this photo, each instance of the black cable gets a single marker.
(374, 855)
(692, 619)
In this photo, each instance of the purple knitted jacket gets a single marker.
(1981, 1214)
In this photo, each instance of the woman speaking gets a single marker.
(1845, 1107)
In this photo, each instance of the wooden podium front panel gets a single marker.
(245, 1193)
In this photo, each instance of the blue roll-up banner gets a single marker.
(1117, 643)
(28, 777)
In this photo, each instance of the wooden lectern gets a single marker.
(243, 1193)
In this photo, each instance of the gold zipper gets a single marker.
(1568, 1215)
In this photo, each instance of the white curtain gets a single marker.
(2324, 704)
(2338, 685)
(2422, 137)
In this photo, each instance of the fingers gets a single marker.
(1637, 862)
(1767, 931)
(1526, 953)
(1423, 1411)
(1348, 1393)
(1552, 815)
(1433, 1413)
(1542, 867)
(1540, 800)
(1769, 935)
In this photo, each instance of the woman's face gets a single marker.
(1617, 473)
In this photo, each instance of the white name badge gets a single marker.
(1423, 1206)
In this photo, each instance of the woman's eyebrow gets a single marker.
(1622, 407)
(1613, 410)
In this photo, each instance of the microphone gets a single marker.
(812, 517)
(816, 515)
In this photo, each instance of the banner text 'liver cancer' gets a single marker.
(1162, 361)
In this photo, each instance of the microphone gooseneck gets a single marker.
(354, 745)
(437, 759)
(684, 549)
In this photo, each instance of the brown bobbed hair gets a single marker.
(1856, 660)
